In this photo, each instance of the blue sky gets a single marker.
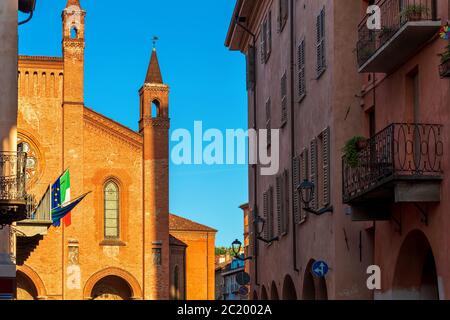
(207, 84)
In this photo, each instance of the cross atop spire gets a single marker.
(154, 72)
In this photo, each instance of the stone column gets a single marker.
(8, 108)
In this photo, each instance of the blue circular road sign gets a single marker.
(320, 269)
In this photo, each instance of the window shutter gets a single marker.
(301, 70)
(268, 122)
(285, 195)
(269, 35)
(284, 105)
(326, 167)
(314, 171)
(303, 175)
(271, 214)
(280, 205)
(295, 195)
(320, 32)
(251, 71)
(263, 35)
(266, 214)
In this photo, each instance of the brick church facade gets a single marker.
(122, 243)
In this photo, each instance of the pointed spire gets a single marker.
(154, 72)
(73, 3)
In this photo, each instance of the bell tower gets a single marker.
(154, 127)
(73, 23)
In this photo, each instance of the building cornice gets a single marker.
(112, 127)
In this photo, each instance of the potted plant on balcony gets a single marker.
(414, 12)
(444, 68)
(352, 149)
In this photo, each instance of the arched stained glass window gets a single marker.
(111, 194)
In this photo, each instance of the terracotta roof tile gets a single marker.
(177, 223)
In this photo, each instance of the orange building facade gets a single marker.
(122, 243)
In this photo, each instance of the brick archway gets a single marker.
(35, 279)
(125, 275)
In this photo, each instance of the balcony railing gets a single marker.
(12, 187)
(400, 151)
(395, 14)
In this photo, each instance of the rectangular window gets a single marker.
(304, 174)
(326, 178)
(301, 70)
(284, 100)
(320, 30)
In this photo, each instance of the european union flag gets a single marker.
(56, 199)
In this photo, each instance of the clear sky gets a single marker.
(207, 84)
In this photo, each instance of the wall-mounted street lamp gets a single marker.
(27, 6)
(306, 190)
(236, 246)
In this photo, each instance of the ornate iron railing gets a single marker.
(12, 176)
(399, 151)
(394, 15)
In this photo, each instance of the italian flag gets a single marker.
(65, 195)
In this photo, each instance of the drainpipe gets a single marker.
(292, 41)
(255, 167)
(8, 114)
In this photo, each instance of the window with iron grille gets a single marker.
(301, 71)
(284, 100)
(320, 30)
(283, 14)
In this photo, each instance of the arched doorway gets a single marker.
(111, 288)
(415, 276)
(264, 295)
(314, 288)
(274, 292)
(26, 290)
(116, 282)
(289, 292)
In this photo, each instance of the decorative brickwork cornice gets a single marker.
(155, 87)
(101, 123)
(160, 123)
(73, 43)
(40, 58)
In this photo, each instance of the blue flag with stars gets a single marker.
(56, 200)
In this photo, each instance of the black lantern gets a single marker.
(260, 223)
(27, 6)
(236, 246)
(306, 190)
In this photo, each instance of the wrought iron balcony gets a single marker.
(402, 163)
(13, 197)
(406, 25)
